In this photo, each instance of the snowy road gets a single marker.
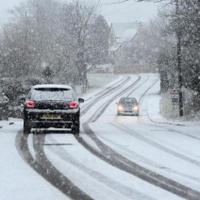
(115, 157)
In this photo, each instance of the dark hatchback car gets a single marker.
(128, 106)
(51, 105)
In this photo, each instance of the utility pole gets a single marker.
(179, 69)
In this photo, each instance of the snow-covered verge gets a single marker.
(161, 110)
(166, 107)
(96, 81)
(171, 112)
(99, 80)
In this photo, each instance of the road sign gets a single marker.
(174, 96)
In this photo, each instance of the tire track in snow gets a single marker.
(103, 94)
(162, 125)
(153, 143)
(54, 176)
(114, 185)
(101, 109)
(44, 167)
(117, 160)
(135, 155)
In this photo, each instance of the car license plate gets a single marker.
(50, 116)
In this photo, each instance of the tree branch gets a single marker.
(124, 1)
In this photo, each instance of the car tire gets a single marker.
(76, 128)
(27, 127)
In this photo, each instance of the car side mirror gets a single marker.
(81, 100)
(22, 100)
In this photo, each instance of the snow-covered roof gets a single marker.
(52, 86)
(125, 31)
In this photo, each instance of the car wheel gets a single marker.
(76, 128)
(27, 127)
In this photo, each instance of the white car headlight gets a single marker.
(135, 108)
(120, 108)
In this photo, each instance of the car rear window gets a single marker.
(54, 94)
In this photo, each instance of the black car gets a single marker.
(51, 105)
(128, 106)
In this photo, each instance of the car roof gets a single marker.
(61, 86)
(128, 98)
(124, 98)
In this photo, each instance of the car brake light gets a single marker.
(30, 104)
(73, 104)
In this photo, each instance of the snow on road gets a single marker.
(97, 178)
(161, 148)
(18, 180)
(168, 149)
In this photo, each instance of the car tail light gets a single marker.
(30, 104)
(73, 104)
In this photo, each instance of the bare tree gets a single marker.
(48, 33)
(78, 18)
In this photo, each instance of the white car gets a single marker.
(128, 106)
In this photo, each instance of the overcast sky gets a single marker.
(124, 12)
(129, 11)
